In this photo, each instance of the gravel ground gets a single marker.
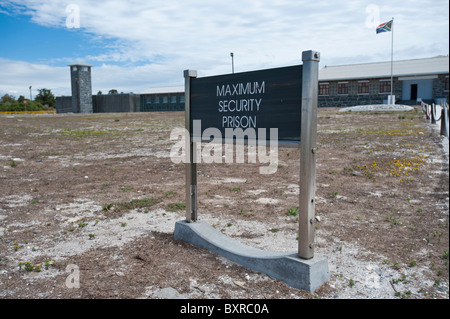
(59, 173)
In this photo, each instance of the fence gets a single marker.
(431, 112)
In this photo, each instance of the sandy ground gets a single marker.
(93, 200)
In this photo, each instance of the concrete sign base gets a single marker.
(305, 274)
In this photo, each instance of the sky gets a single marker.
(135, 45)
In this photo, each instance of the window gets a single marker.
(173, 99)
(165, 99)
(385, 86)
(324, 89)
(84, 68)
(342, 87)
(363, 87)
(181, 98)
(446, 84)
(74, 68)
(156, 99)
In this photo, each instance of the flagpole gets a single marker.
(392, 60)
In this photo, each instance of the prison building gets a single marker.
(162, 99)
(102, 103)
(370, 83)
(414, 80)
(116, 103)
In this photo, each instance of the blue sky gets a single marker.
(137, 44)
(34, 43)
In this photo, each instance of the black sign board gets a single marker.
(266, 99)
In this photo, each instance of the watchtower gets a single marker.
(80, 75)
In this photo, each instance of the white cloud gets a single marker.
(17, 76)
(164, 37)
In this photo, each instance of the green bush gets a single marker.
(44, 101)
(20, 107)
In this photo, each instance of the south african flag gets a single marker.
(385, 27)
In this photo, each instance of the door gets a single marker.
(413, 92)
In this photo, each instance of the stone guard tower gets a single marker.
(80, 75)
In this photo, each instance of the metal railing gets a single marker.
(432, 111)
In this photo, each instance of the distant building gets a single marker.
(354, 84)
(370, 83)
(152, 100)
(342, 85)
(163, 99)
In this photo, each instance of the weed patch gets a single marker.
(176, 206)
(135, 203)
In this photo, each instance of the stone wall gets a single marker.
(353, 98)
(439, 91)
(81, 89)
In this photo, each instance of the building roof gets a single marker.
(416, 67)
(163, 90)
(80, 64)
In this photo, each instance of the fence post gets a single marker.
(447, 116)
(425, 109)
(444, 121)
(308, 136)
(442, 132)
(191, 150)
(433, 109)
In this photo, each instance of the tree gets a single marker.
(113, 91)
(46, 97)
(8, 98)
